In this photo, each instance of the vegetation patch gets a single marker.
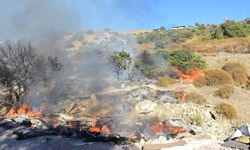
(214, 77)
(225, 91)
(247, 86)
(238, 72)
(165, 81)
(195, 97)
(227, 110)
(186, 61)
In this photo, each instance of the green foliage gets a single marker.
(234, 29)
(162, 36)
(154, 65)
(216, 32)
(146, 65)
(185, 60)
(120, 61)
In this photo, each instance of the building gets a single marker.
(178, 27)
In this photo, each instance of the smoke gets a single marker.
(57, 28)
(43, 22)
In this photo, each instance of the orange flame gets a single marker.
(104, 130)
(26, 109)
(159, 127)
(188, 77)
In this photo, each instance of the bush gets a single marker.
(185, 60)
(230, 66)
(200, 82)
(247, 86)
(196, 98)
(216, 32)
(216, 77)
(165, 81)
(225, 91)
(238, 72)
(233, 29)
(146, 65)
(227, 110)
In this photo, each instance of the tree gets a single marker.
(22, 66)
(120, 61)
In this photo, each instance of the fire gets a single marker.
(180, 94)
(104, 130)
(159, 127)
(188, 77)
(26, 109)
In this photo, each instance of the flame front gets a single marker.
(188, 77)
(26, 109)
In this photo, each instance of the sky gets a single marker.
(150, 14)
(115, 14)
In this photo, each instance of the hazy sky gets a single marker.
(118, 14)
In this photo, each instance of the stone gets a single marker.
(145, 106)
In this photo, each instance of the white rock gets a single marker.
(145, 106)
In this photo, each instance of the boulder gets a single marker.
(145, 106)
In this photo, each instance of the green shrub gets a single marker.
(225, 91)
(196, 98)
(185, 60)
(233, 29)
(216, 32)
(227, 110)
(146, 65)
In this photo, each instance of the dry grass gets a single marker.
(214, 77)
(238, 71)
(225, 91)
(165, 81)
(230, 66)
(200, 82)
(247, 86)
(195, 97)
(231, 45)
(229, 111)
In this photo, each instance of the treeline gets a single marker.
(161, 37)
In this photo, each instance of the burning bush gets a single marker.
(165, 81)
(214, 77)
(195, 97)
(225, 91)
(238, 71)
(227, 110)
